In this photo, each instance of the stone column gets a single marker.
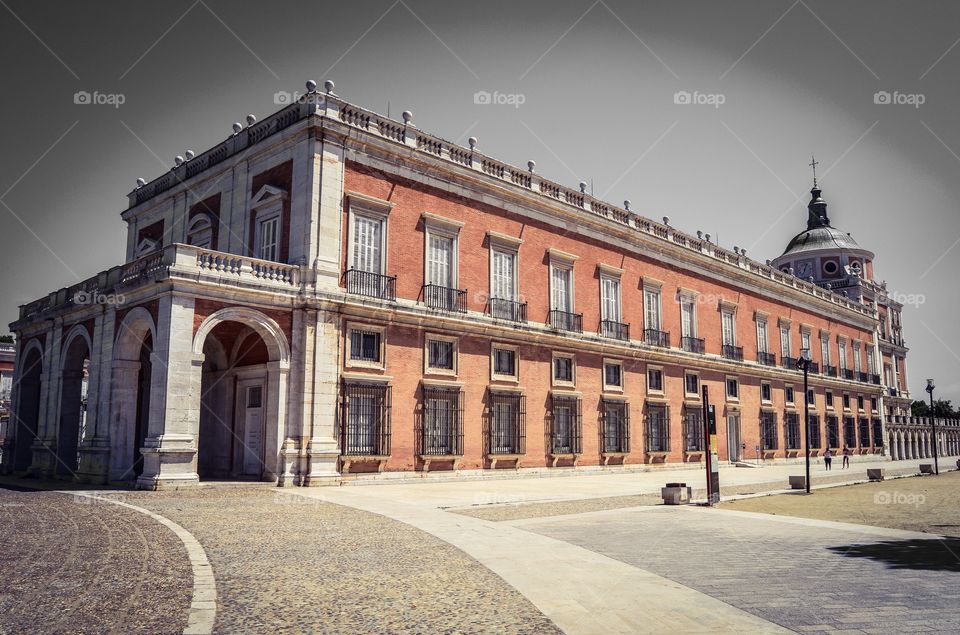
(120, 430)
(276, 431)
(323, 452)
(9, 438)
(44, 446)
(170, 449)
(95, 449)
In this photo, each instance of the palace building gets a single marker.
(330, 294)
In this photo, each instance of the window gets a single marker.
(873, 404)
(366, 420)
(849, 433)
(503, 274)
(610, 298)
(441, 354)
(811, 398)
(768, 431)
(843, 355)
(442, 433)
(691, 384)
(813, 429)
(728, 324)
(825, 350)
(791, 430)
(440, 259)
(504, 361)
(658, 428)
(785, 346)
(833, 433)
(805, 339)
(365, 345)
(612, 375)
(856, 359)
(654, 380)
(860, 403)
(692, 430)
(766, 392)
(846, 401)
(788, 394)
(651, 308)
(733, 388)
(863, 431)
(828, 396)
(200, 232)
(254, 396)
(507, 423)
(762, 344)
(616, 426)
(367, 244)
(561, 287)
(563, 371)
(688, 316)
(877, 433)
(566, 432)
(269, 230)
(871, 366)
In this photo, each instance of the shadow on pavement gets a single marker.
(934, 554)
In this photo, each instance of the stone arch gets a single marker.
(132, 383)
(264, 325)
(74, 365)
(30, 376)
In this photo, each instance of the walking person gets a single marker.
(827, 460)
(846, 457)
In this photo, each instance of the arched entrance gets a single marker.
(73, 391)
(28, 405)
(130, 400)
(242, 395)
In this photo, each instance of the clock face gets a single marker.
(804, 269)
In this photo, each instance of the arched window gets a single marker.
(200, 232)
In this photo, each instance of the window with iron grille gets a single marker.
(766, 392)
(615, 425)
(440, 354)
(658, 428)
(864, 432)
(613, 375)
(442, 431)
(654, 379)
(849, 433)
(813, 429)
(877, 433)
(691, 384)
(768, 430)
(365, 345)
(365, 420)
(693, 429)
(565, 425)
(791, 430)
(505, 362)
(563, 369)
(833, 432)
(507, 423)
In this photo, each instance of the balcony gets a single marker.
(615, 330)
(830, 371)
(767, 359)
(653, 337)
(692, 344)
(372, 285)
(863, 377)
(814, 367)
(566, 321)
(444, 298)
(893, 392)
(504, 309)
(875, 379)
(790, 363)
(847, 373)
(733, 352)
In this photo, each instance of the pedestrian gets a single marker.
(846, 457)
(827, 459)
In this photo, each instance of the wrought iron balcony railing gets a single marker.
(875, 379)
(767, 359)
(692, 344)
(892, 391)
(653, 337)
(830, 371)
(790, 363)
(863, 377)
(372, 285)
(847, 373)
(504, 309)
(445, 298)
(814, 367)
(733, 352)
(615, 330)
(566, 321)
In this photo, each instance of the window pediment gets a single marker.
(266, 196)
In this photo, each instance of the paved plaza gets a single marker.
(579, 554)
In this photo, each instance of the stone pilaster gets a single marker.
(44, 446)
(323, 451)
(326, 236)
(95, 449)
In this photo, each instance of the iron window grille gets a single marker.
(658, 428)
(441, 422)
(566, 429)
(365, 419)
(654, 379)
(507, 423)
(505, 362)
(440, 354)
(833, 432)
(791, 430)
(563, 369)
(768, 430)
(693, 430)
(849, 433)
(613, 375)
(372, 285)
(691, 384)
(365, 345)
(615, 426)
(813, 429)
(877, 433)
(863, 425)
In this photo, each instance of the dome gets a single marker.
(824, 237)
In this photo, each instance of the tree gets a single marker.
(6, 339)
(919, 408)
(941, 407)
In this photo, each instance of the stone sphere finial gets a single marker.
(743, 252)
(407, 117)
(178, 160)
(140, 183)
(583, 187)
(531, 164)
(237, 127)
(666, 220)
(736, 249)
(707, 236)
(472, 142)
(251, 119)
(699, 234)
(626, 204)
(189, 154)
(311, 86)
(329, 86)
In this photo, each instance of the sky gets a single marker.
(593, 90)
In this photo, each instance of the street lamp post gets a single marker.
(933, 426)
(803, 363)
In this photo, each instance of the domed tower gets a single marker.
(826, 254)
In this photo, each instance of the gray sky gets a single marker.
(597, 81)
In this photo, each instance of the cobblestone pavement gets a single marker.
(70, 564)
(808, 576)
(285, 564)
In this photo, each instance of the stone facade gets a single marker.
(330, 292)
